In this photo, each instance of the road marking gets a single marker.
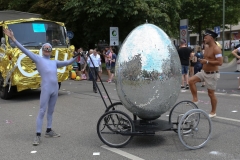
(228, 119)
(236, 95)
(205, 92)
(122, 153)
(229, 73)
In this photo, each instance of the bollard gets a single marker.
(225, 59)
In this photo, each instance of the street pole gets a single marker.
(223, 47)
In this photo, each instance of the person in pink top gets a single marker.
(108, 58)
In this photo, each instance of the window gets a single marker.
(38, 32)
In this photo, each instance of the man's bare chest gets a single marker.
(209, 54)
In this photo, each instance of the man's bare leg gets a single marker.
(182, 79)
(192, 84)
(109, 74)
(186, 78)
(211, 94)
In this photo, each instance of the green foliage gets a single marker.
(229, 55)
(90, 19)
(3, 4)
(96, 16)
(206, 14)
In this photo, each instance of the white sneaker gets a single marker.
(196, 102)
(36, 141)
(212, 115)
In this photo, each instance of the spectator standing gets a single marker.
(236, 52)
(94, 61)
(113, 62)
(79, 59)
(100, 67)
(193, 60)
(108, 57)
(198, 65)
(184, 54)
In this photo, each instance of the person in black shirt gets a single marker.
(198, 65)
(184, 55)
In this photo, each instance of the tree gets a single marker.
(90, 20)
(96, 16)
(3, 4)
(203, 14)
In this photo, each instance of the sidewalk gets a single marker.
(229, 64)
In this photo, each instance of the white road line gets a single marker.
(217, 93)
(224, 118)
(236, 95)
(228, 119)
(122, 153)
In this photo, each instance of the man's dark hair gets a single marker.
(182, 41)
(114, 50)
(98, 50)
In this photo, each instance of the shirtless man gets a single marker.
(210, 73)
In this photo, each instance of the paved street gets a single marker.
(78, 110)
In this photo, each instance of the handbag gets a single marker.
(238, 61)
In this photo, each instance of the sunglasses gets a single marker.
(47, 49)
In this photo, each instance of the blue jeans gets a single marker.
(184, 69)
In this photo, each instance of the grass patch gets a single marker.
(229, 55)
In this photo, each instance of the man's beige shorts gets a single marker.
(209, 79)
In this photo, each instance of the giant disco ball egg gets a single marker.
(148, 72)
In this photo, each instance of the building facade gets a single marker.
(231, 36)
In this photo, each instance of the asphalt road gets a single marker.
(78, 110)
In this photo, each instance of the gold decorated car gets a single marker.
(17, 71)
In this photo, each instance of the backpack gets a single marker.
(199, 55)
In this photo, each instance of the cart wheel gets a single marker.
(178, 111)
(114, 128)
(115, 106)
(194, 129)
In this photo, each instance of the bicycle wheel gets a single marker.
(178, 111)
(114, 128)
(194, 129)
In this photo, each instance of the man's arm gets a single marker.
(218, 55)
(234, 52)
(66, 63)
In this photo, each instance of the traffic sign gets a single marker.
(114, 37)
(70, 34)
(217, 30)
(184, 30)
